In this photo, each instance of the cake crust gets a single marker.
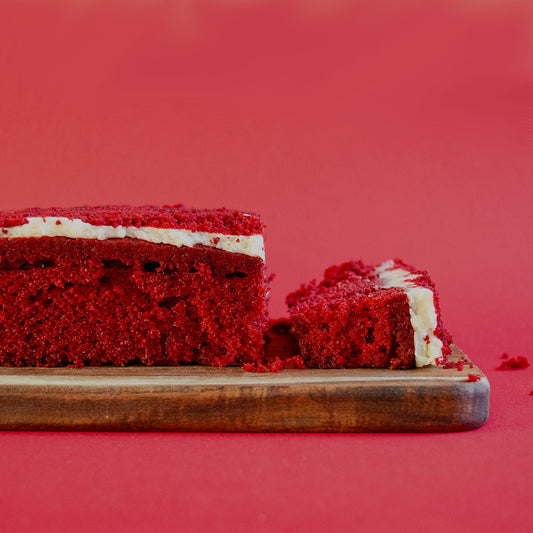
(222, 220)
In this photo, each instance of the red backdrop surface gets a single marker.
(357, 130)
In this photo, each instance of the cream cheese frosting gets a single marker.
(251, 245)
(428, 347)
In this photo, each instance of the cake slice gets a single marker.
(150, 285)
(369, 316)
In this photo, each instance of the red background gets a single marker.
(357, 130)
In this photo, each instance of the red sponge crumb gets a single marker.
(254, 367)
(295, 362)
(474, 377)
(515, 363)
(291, 362)
(459, 365)
(277, 365)
(126, 301)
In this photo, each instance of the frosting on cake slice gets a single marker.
(428, 347)
(224, 229)
(53, 226)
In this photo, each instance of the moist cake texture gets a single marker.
(369, 316)
(150, 285)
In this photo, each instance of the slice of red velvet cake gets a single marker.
(371, 316)
(150, 285)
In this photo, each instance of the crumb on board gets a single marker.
(459, 364)
(515, 363)
(277, 365)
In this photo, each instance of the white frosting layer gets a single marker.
(252, 245)
(428, 347)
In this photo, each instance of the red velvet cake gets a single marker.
(369, 316)
(150, 285)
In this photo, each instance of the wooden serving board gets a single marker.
(194, 398)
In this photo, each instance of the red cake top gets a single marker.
(350, 281)
(225, 221)
(347, 281)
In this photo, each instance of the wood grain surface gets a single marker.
(194, 398)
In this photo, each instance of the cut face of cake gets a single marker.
(369, 316)
(149, 285)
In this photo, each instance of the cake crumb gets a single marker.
(441, 361)
(254, 367)
(474, 377)
(291, 362)
(276, 366)
(459, 364)
(296, 361)
(515, 363)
